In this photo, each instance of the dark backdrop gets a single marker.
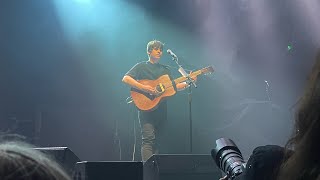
(61, 64)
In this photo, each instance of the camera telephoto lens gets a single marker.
(228, 157)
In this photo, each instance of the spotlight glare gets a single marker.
(82, 1)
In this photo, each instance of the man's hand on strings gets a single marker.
(193, 77)
(151, 90)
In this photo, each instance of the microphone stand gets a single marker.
(189, 82)
(116, 140)
(267, 90)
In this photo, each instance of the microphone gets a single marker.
(171, 53)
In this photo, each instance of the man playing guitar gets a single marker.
(137, 78)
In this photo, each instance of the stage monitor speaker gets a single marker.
(102, 170)
(181, 166)
(63, 155)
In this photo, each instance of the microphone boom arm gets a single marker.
(181, 70)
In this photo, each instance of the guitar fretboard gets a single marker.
(182, 79)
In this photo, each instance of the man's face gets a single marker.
(155, 54)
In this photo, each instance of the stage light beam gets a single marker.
(83, 1)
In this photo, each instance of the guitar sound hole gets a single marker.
(158, 88)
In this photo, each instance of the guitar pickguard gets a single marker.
(150, 96)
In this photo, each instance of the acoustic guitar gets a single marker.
(164, 85)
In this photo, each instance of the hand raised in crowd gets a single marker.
(224, 178)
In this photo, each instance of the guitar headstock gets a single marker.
(207, 70)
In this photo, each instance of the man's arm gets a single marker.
(135, 84)
(184, 85)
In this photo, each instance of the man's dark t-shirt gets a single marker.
(147, 70)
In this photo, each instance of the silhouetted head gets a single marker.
(19, 161)
(304, 163)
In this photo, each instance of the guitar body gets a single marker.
(145, 101)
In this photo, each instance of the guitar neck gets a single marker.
(183, 79)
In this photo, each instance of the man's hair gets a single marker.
(154, 44)
(19, 161)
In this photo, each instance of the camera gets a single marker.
(228, 158)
